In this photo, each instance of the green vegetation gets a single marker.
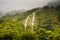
(46, 27)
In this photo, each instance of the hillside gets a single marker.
(46, 25)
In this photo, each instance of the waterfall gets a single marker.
(33, 19)
(25, 24)
(26, 21)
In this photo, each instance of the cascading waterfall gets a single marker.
(33, 19)
(26, 22)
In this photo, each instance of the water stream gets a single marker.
(26, 21)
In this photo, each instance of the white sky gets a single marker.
(10, 5)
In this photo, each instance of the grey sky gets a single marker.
(10, 5)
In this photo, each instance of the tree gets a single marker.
(46, 7)
(58, 8)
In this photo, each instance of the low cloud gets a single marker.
(10, 5)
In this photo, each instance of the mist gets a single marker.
(13, 5)
(54, 3)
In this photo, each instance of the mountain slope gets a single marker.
(46, 25)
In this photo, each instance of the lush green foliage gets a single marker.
(47, 26)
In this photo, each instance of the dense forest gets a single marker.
(46, 25)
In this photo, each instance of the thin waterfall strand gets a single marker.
(26, 22)
(33, 19)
